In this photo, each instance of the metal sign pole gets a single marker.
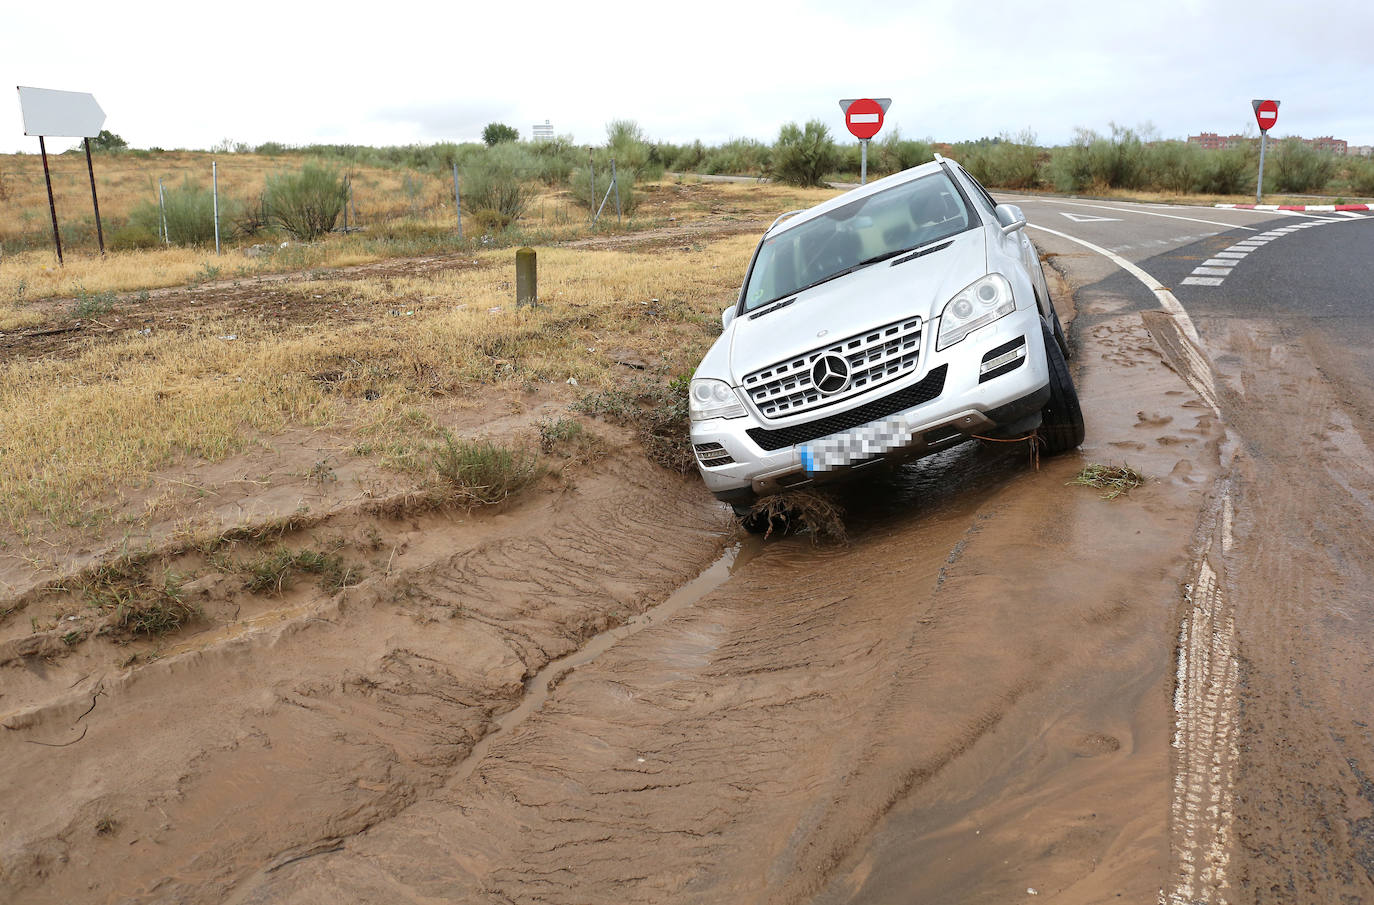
(1259, 185)
(214, 193)
(95, 202)
(52, 205)
(863, 162)
(591, 175)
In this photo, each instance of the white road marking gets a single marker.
(1089, 218)
(1235, 255)
(1165, 297)
(1220, 262)
(1212, 271)
(1202, 281)
(1132, 210)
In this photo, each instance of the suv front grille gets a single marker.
(928, 388)
(875, 357)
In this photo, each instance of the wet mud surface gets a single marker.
(1001, 686)
(968, 699)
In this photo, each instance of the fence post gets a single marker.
(214, 193)
(526, 278)
(162, 209)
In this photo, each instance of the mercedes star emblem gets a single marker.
(830, 373)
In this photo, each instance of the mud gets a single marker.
(969, 699)
(1002, 686)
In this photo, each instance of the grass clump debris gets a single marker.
(140, 604)
(1112, 480)
(792, 512)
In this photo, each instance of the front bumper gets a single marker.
(899, 420)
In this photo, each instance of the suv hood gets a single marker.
(876, 295)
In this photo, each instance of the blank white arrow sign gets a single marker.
(1088, 218)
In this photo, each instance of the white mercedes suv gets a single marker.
(892, 321)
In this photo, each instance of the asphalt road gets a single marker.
(1275, 691)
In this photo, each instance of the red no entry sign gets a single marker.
(1266, 114)
(864, 117)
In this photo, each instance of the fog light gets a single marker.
(1005, 358)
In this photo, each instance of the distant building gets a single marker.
(1360, 151)
(542, 133)
(1211, 141)
(1327, 143)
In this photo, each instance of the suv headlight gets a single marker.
(713, 399)
(977, 305)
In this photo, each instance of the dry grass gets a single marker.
(800, 510)
(76, 429)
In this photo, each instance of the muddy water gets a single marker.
(539, 686)
(969, 700)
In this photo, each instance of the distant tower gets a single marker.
(542, 133)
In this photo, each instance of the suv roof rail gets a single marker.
(939, 158)
(782, 217)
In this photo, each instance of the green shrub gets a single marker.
(804, 155)
(633, 154)
(306, 203)
(493, 186)
(1005, 162)
(554, 159)
(1229, 172)
(684, 158)
(895, 153)
(1360, 173)
(1094, 162)
(495, 133)
(1295, 166)
(737, 157)
(591, 197)
(190, 210)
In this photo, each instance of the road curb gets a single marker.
(1298, 207)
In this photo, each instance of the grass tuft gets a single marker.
(1112, 480)
(658, 414)
(277, 571)
(480, 472)
(141, 605)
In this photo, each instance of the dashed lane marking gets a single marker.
(1213, 272)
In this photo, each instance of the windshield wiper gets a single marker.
(923, 251)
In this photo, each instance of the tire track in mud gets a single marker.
(1272, 695)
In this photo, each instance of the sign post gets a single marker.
(1266, 114)
(864, 117)
(71, 114)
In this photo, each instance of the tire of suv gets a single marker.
(1061, 425)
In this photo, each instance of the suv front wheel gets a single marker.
(1061, 424)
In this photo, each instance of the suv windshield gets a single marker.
(862, 232)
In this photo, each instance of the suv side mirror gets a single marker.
(727, 316)
(1011, 218)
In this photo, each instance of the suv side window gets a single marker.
(978, 188)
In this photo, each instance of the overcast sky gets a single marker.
(176, 74)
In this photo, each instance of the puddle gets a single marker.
(539, 686)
